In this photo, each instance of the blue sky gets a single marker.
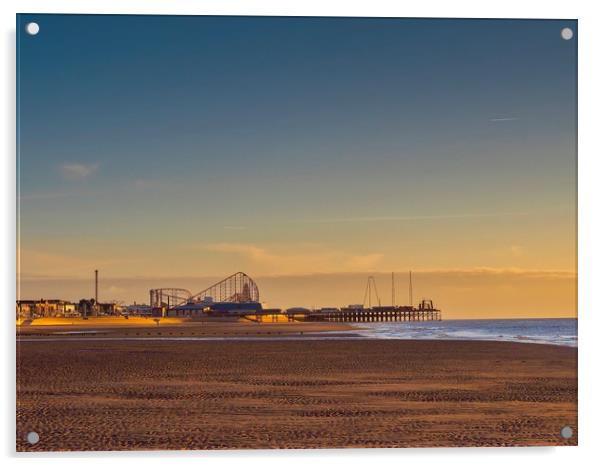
(374, 142)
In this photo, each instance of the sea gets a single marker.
(561, 332)
(546, 331)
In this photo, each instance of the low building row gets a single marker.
(36, 308)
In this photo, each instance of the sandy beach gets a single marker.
(173, 328)
(114, 394)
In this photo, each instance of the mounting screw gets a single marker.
(566, 432)
(32, 438)
(566, 33)
(32, 28)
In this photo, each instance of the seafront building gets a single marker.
(37, 308)
(31, 308)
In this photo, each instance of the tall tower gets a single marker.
(96, 287)
(393, 289)
(410, 291)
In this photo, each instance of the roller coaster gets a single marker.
(237, 288)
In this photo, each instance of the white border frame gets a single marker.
(590, 231)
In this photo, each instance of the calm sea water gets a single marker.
(549, 331)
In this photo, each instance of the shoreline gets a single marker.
(323, 336)
(182, 330)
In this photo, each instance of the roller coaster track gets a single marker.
(237, 288)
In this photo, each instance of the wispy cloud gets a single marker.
(234, 227)
(248, 250)
(42, 196)
(78, 170)
(298, 258)
(497, 271)
(401, 218)
(52, 264)
(141, 183)
(501, 119)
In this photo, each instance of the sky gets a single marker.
(307, 152)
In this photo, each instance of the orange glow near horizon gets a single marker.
(459, 294)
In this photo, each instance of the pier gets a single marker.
(374, 315)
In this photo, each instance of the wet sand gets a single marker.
(121, 395)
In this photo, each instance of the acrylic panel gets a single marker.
(295, 232)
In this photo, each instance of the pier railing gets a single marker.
(382, 314)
